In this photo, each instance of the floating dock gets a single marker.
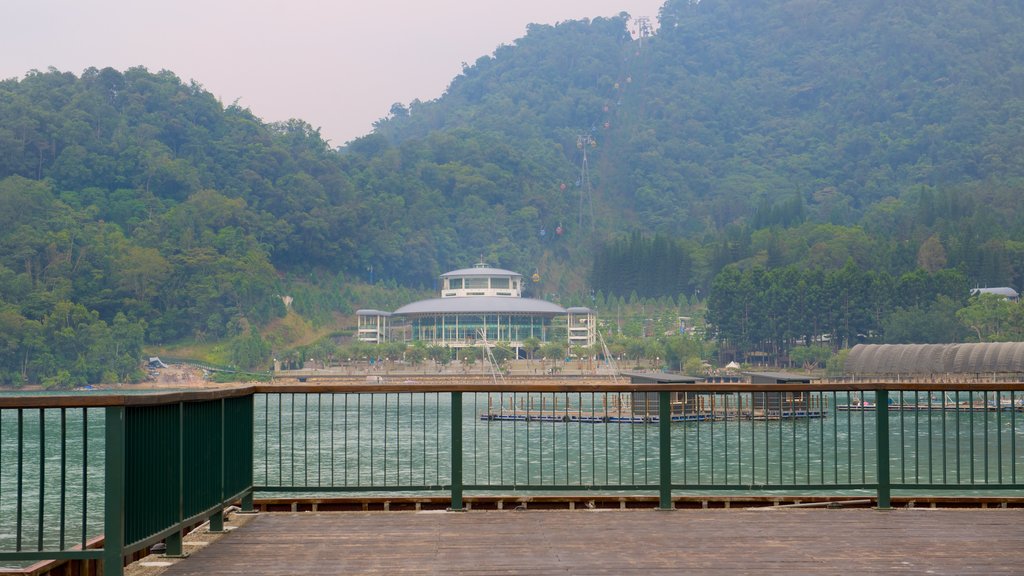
(623, 410)
(933, 407)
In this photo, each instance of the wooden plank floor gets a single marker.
(810, 541)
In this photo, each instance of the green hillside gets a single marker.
(772, 140)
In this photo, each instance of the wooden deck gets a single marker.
(772, 541)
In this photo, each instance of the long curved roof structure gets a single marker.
(480, 305)
(982, 358)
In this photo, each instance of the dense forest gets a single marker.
(762, 158)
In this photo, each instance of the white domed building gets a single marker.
(479, 306)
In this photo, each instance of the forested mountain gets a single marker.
(775, 140)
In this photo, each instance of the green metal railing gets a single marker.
(139, 469)
(134, 469)
(827, 439)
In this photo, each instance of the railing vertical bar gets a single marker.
(20, 477)
(359, 439)
(725, 433)
(711, 432)
(373, 402)
(767, 439)
(554, 440)
(821, 433)
(266, 439)
(579, 444)
(456, 448)
(618, 431)
(931, 442)
(344, 442)
(515, 435)
(1013, 437)
(849, 440)
(782, 452)
(565, 429)
(793, 426)
(332, 428)
(647, 455)
(664, 450)
(476, 453)
(398, 438)
(607, 425)
(739, 436)
(423, 426)
(291, 436)
(42, 478)
(999, 437)
(437, 437)
(956, 403)
(319, 427)
(808, 401)
(882, 447)
(540, 435)
(917, 437)
(863, 446)
(593, 441)
(63, 473)
(412, 438)
(984, 423)
(501, 444)
(835, 436)
(700, 479)
(686, 450)
(85, 475)
(903, 441)
(970, 419)
(386, 396)
(945, 443)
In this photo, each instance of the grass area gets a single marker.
(284, 333)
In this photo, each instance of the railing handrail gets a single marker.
(101, 399)
(155, 398)
(604, 386)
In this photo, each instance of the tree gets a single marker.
(986, 315)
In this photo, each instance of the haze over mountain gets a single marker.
(779, 135)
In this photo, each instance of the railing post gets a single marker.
(882, 447)
(456, 457)
(113, 507)
(217, 518)
(665, 450)
(247, 507)
(173, 543)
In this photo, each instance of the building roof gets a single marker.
(987, 357)
(578, 310)
(659, 378)
(482, 271)
(779, 377)
(371, 312)
(481, 305)
(1004, 291)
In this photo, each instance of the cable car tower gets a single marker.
(583, 142)
(643, 29)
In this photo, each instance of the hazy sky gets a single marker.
(338, 64)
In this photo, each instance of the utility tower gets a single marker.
(643, 29)
(583, 143)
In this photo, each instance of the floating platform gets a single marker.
(626, 418)
(933, 407)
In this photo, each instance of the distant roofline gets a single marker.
(481, 305)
